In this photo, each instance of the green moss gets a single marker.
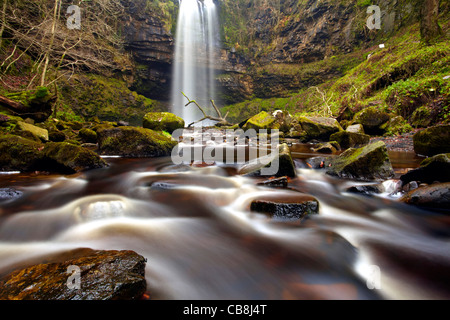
(367, 163)
(88, 135)
(134, 142)
(17, 153)
(262, 120)
(108, 99)
(162, 121)
(71, 158)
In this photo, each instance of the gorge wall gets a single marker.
(286, 35)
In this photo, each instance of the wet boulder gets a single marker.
(134, 142)
(365, 164)
(347, 139)
(436, 196)
(69, 158)
(162, 121)
(278, 164)
(286, 207)
(436, 168)
(81, 274)
(19, 154)
(432, 141)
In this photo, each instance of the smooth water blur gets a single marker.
(195, 58)
(194, 226)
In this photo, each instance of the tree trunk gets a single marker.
(429, 27)
(2, 28)
(47, 54)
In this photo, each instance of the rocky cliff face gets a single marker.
(265, 32)
(151, 46)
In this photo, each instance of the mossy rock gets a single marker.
(33, 130)
(320, 128)
(371, 119)
(105, 275)
(261, 121)
(134, 142)
(56, 136)
(19, 154)
(69, 158)
(87, 135)
(365, 164)
(421, 117)
(348, 139)
(432, 141)
(436, 168)
(396, 126)
(162, 121)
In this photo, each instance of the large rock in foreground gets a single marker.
(162, 121)
(134, 142)
(432, 141)
(366, 164)
(103, 275)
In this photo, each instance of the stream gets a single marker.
(201, 241)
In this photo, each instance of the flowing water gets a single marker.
(201, 241)
(195, 58)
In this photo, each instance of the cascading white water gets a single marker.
(195, 51)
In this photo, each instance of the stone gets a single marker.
(134, 142)
(320, 128)
(262, 120)
(325, 147)
(162, 121)
(432, 141)
(34, 130)
(355, 128)
(432, 196)
(364, 164)
(104, 275)
(294, 207)
(278, 164)
(19, 154)
(281, 182)
(88, 135)
(9, 194)
(371, 119)
(396, 126)
(347, 139)
(436, 168)
(69, 158)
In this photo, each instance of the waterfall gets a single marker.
(194, 66)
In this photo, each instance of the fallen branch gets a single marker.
(221, 120)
